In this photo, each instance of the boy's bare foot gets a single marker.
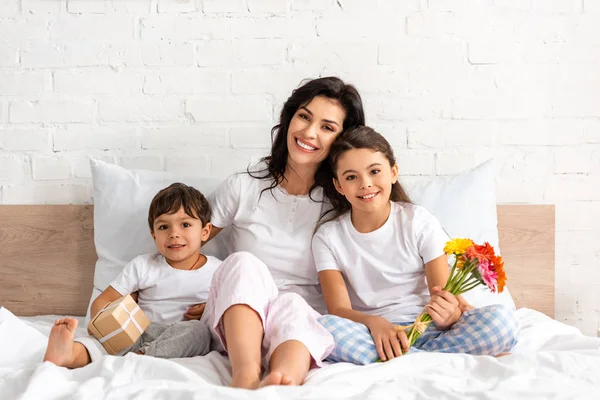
(60, 342)
(276, 378)
(246, 378)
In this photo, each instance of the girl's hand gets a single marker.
(195, 311)
(389, 343)
(443, 308)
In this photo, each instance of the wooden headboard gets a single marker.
(47, 257)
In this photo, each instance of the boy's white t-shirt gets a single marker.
(165, 293)
(384, 270)
(274, 226)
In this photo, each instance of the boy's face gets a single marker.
(178, 237)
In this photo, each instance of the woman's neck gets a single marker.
(298, 178)
(365, 222)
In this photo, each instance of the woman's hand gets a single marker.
(443, 308)
(195, 311)
(388, 341)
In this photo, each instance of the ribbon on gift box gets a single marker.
(126, 324)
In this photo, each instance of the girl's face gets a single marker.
(365, 178)
(313, 129)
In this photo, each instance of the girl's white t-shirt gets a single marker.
(274, 226)
(165, 293)
(384, 270)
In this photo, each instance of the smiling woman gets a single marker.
(265, 294)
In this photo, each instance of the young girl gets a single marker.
(380, 261)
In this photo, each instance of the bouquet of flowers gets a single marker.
(473, 265)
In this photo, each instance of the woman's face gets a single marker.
(313, 129)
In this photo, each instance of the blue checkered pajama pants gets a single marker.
(482, 331)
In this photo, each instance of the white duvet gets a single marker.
(551, 361)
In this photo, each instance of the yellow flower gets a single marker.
(457, 246)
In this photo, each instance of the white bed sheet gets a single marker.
(551, 361)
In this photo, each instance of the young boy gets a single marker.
(170, 286)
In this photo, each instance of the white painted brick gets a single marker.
(9, 56)
(456, 161)
(187, 81)
(184, 28)
(244, 137)
(47, 194)
(101, 28)
(25, 139)
(372, 26)
(383, 7)
(9, 8)
(181, 137)
(531, 162)
(139, 109)
(133, 7)
(87, 6)
(77, 137)
(395, 133)
(268, 6)
(591, 6)
(64, 55)
(311, 5)
(276, 81)
(41, 7)
(46, 168)
(373, 79)
(592, 131)
(229, 162)
(11, 168)
(81, 164)
(514, 4)
(576, 105)
(24, 82)
(443, 50)
(224, 6)
(3, 112)
(578, 216)
(188, 165)
(152, 163)
(544, 132)
(273, 28)
(519, 189)
(513, 106)
(22, 31)
(556, 6)
(414, 163)
(177, 6)
(168, 55)
(97, 80)
(573, 160)
(333, 54)
(129, 55)
(572, 187)
(239, 108)
(545, 27)
(59, 111)
(451, 133)
(386, 107)
(241, 52)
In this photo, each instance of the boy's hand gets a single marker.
(195, 311)
(443, 308)
(389, 342)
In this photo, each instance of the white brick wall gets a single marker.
(182, 85)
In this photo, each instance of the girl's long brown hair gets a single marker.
(360, 137)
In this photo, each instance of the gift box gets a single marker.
(119, 324)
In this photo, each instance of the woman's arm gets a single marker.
(388, 341)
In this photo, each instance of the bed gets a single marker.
(47, 260)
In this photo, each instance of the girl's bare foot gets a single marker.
(276, 378)
(246, 378)
(60, 342)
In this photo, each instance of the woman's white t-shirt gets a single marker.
(274, 226)
(165, 293)
(384, 270)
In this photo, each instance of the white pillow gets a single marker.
(121, 201)
(465, 205)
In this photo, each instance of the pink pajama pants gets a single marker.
(244, 279)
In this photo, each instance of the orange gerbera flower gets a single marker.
(479, 252)
(499, 268)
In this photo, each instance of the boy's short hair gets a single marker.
(170, 199)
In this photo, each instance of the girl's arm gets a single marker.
(444, 308)
(386, 338)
